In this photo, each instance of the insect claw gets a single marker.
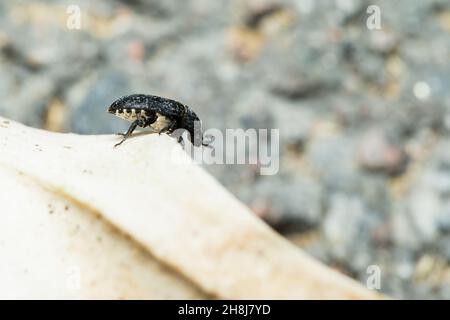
(118, 144)
(207, 145)
(209, 139)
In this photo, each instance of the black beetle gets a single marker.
(160, 114)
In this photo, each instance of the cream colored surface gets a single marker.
(177, 212)
(52, 248)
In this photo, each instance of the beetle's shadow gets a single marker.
(146, 132)
(143, 133)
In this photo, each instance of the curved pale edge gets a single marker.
(51, 248)
(177, 212)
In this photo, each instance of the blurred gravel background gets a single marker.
(364, 115)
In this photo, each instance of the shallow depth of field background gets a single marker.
(364, 115)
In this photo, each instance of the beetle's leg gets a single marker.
(180, 140)
(163, 130)
(208, 143)
(169, 128)
(128, 133)
(172, 126)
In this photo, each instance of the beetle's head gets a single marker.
(115, 106)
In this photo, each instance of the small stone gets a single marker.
(342, 224)
(403, 231)
(288, 204)
(383, 41)
(422, 90)
(377, 153)
(425, 210)
(261, 208)
(136, 50)
(245, 44)
(257, 11)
